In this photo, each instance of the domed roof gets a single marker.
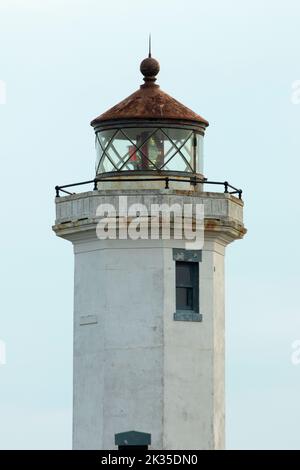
(150, 102)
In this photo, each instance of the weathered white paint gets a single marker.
(135, 368)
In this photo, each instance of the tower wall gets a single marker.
(118, 361)
(194, 362)
(134, 366)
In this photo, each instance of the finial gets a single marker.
(149, 67)
(149, 55)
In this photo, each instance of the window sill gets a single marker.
(186, 315)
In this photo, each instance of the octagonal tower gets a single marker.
(149, 310)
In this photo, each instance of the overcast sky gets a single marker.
(234, 62)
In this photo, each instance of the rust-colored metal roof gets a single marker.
(149, 102)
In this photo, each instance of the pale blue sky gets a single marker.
(65, 62)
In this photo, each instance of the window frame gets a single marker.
(193, 285)
(192, 258)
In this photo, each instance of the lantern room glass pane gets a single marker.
(182, 158)
(102, 140)
(144, 149)
(177, 163)
(199, 159)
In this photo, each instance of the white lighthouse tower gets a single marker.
(148, 309)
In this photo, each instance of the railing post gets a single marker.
(226, 186)
(167, 183)
(95, 185)
(57, 191)
(240, 194)
(193, 180)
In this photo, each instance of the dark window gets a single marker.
(187, 286)
(132, 440)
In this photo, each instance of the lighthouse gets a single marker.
(149, 295)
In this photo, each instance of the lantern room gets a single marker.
(149, 133)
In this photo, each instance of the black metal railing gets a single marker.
(228, 188)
